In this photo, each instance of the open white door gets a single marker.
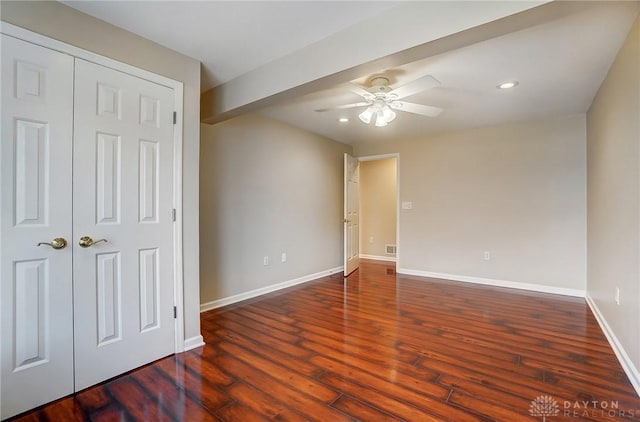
(351, 214)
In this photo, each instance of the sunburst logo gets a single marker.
(544, 406)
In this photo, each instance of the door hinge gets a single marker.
(175, 312)
(173, 214)
(175, 117)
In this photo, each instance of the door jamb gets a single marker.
(178, 89)
(395, 155)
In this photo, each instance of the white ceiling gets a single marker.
(231, 38)
(560, 64)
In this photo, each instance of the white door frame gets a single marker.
(178, 89)
(397, 157)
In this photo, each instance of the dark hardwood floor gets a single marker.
(377, 347)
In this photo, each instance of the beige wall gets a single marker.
(613, 147)
(63, 23)
(267, 188)
(377, 206)
(515, 190)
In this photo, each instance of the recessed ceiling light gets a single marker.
(507, 85)
(343, 119)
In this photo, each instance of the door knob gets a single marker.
(86, 241)
(57, 243)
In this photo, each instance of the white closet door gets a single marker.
(35, 203)
(122, 191)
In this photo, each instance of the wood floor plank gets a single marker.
(173, 399)
(65, 410)
(396, 406)
(236, 412)
(255, 336)
(377, 346)
(93, 398)
(263, 404)
(201, 390)
(361, 411)
(379, 369)
(198, 364)
(312, 409)
(136, 402)
(110, 414)
(300, 365)
(294, 379)
(399, 385)
(487, 408)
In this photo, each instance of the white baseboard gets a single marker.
(193, 342)
(268, 289)
(379, 258)
(497, 283)
(629, 368)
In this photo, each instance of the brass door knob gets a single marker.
(86, 241)
(57, 243)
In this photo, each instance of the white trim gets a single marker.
(193, 342)
(345, 212)
(268, 289)
(178, 89)
(378, 258)
(62, 47)
(397, 210)
(378, 157)
(178, 270)
(627, 364)
(497, 283)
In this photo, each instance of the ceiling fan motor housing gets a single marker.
(380, 84)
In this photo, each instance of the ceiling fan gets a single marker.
(381, 99)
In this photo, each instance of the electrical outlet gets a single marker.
(371, 239)
(487, 255)
(284, 257)
(617, 295)
(265, 260)
(406, 205)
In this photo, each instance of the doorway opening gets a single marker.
(371, 198)
(379, 204)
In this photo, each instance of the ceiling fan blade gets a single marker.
(424, 110)
(342, 107)
(356, 89)
(413, 87)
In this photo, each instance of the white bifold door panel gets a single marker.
(86, 224)
(35, 179)
(122, 191)
(351, 214)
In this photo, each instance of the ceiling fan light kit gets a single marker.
(382, 111)
(365, 116)
(388, 114)
(380, 100)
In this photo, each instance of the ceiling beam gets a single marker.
(404, 34)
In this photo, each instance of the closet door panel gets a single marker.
(123, 193)
(35, 204)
